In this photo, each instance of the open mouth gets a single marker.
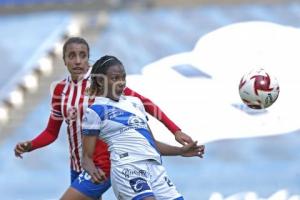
(77, 70)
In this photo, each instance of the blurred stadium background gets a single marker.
(138, 32)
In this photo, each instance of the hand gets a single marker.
(192, 149)
(21, 148)
(97, 175)
(183, 138)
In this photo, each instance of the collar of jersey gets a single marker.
(104, 100)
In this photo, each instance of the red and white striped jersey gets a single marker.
(70, 102)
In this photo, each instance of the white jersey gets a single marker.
(123, 126)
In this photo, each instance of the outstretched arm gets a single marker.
(188, 150)
(156, 112)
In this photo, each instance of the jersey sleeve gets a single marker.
(47, 136)
(153, 110)
(91, 122)
(56, 112)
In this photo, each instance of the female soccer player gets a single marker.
(68, 102)
(121, 121)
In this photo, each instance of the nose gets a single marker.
(78, 59)
(122, 84)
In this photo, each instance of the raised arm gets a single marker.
(156, 112)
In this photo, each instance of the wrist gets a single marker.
(180, 151)
(28, 146)
(178, 131)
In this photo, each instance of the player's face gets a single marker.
(76, 60)
(116, 81)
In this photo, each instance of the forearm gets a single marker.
(88, 147)
(48, 136)
(43, 139)
(168, 150)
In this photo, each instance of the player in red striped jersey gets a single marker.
(68, 103)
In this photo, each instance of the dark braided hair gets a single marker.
(76, 40)
(100, 68)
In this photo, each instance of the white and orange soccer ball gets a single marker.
(258, 89)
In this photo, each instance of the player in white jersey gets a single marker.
(121, 121)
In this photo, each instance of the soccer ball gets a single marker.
(258, 89)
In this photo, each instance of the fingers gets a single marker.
(199, 147)
(98, 176)
(18, 154)
(101, 173)
(95, 177)
(193, 149)
(193, 145)
(201, 150)
(21, 148)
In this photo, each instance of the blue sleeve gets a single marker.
(90, 132)
(90, 122)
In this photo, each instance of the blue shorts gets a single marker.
(74, 175)
(84, 185)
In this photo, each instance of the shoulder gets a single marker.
(90, 112)
(132, 99)
(90, 118)
(57, 87)
(99, 105)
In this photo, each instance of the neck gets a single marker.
(77, 78)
